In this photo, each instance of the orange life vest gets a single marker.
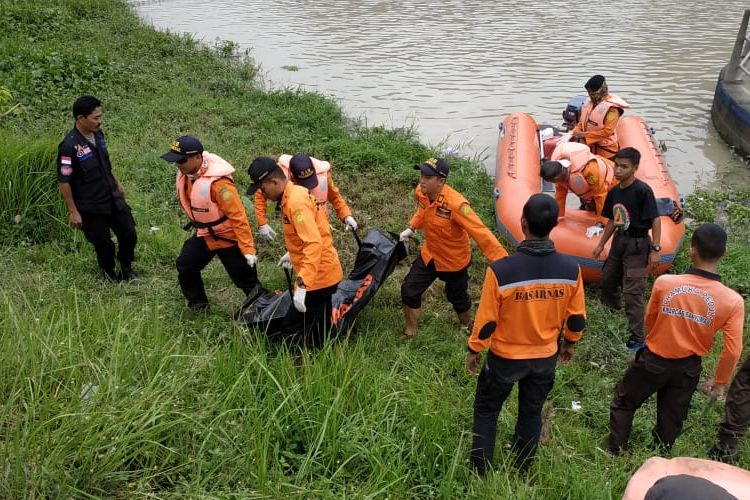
(203, 212)
(320, 192)
(579, 156)
(592, 118)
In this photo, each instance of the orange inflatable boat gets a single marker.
(517, 177)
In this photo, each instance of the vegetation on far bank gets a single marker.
(119, 391)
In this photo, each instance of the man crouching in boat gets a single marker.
(574, 167)
(599, 116)
(447, 219)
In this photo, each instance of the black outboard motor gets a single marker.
(572, 112)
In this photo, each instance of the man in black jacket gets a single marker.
(94, 196)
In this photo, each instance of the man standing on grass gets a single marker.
(684, 314)
(310, 251)
(316, 176)
(526, 300)
(631, 209)
(93, 194)
(448, 221)
(210, 200)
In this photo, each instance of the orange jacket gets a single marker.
(590, 176)
(684, 313)
(211, 199)
(447, 224)
(307, 236)
(325, 192)
(526, 300)
(599, 124)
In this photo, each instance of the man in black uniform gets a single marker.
(94, 196)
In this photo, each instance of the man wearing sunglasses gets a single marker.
(597, 126)
(209, 198)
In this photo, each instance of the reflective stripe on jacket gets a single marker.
(526, 300)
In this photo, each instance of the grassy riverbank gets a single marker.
(118, 391)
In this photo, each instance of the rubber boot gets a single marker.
(411, 316)
(467, 323)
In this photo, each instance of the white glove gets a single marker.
(266, 232)
(546, 133)
(299, 299)
(251, 259)
(565, 138)
(350, 223)
(594, 231)
(405, 234)
(285, 261)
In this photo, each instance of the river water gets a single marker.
(454, 68)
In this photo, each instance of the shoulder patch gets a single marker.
(299, 218)
(226, 194)
(465, 209)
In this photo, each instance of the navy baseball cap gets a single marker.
(302, 171)
(433, 167)
(259, 170)
(183, 147)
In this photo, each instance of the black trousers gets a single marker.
(673, 381)
(96, 228)
(737, 408)
(315, 323)
(535, 379)
(195, 256)
(421, 276)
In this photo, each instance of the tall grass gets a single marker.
(117, 391)
(30, 207)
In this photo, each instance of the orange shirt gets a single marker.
(333, 194)
(598, 184)
(225, 195)
(307, 236)
(447, 223)
(526, 300)
(684, 313)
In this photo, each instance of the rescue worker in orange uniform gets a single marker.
(209, 198)
(447, 219)
(684, 314)
(574, 167)
(324, 192)
(310, 251)
(597, 126)
(526, 300)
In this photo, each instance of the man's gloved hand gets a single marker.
(594, 230)
(406, 234)
(251, 259)
(350, 223)
(299, 299)
(285, 261)
(266, 232)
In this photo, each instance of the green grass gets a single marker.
(196, 406)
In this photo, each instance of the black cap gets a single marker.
(183, 147)
(433, 167)
(259, 170)
(303, 171)
(594, 83)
